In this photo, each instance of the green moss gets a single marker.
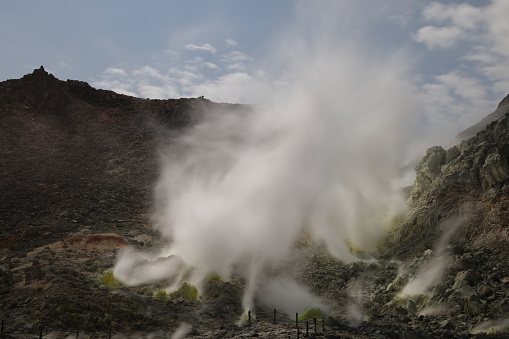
(186, 291)
(310, 313)
(160, 295)
(108, 279)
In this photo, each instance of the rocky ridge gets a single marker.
(467, 182)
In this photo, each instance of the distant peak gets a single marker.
(40, 76)
(40, 70)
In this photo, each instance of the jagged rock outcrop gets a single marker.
(469, 180)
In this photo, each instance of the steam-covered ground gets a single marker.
(60, 286)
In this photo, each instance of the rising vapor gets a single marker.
(325, 156)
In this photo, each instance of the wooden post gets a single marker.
(77, 333)
(296, 320)
(314, 320)
(275, 316)
(307, 329)
(249, 318)
(2, 328)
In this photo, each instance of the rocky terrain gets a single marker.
(78, 166)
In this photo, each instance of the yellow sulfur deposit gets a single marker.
(310, 313)
(108, 279)
(186, 291)
(160, 295)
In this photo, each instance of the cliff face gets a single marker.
(469, 181)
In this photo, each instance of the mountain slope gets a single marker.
(466, 186)
(73, 155)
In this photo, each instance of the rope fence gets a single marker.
(272, 317)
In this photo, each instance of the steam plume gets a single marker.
(239, 187)
(242, 186)
(432, 272)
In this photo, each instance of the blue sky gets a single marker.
(455, 53)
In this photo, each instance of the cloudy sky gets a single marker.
(456, 52)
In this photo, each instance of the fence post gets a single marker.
(307, 329)
(2, 328)
(109, 334)
(77, 333)
(314, 320)
(275, 316)
(249, 318)
(296, 320)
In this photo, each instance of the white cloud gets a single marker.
(236, 56)
(171, 53)
(443, 37)
(463, 22)
(466, 93)
(185, 78)
(465, 87)
(498, 26)
(117, 86)
(461, 15)
(158, 92)
(454, 101)
(236, 60)
(147, 71)
(116, 79)
(204, 47)
(114, 72)
(237, 87)
(231, 42)
(210, 65)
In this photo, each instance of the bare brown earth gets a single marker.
(77, 168)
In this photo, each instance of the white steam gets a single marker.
(432, 272)
(239, 187)
(290, 297)
(493, 326)
(182, 331)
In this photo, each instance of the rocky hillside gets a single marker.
(73, 156)
(468, 183)
(77, 169)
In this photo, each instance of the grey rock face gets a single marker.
(471, 180)
(496, 168)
